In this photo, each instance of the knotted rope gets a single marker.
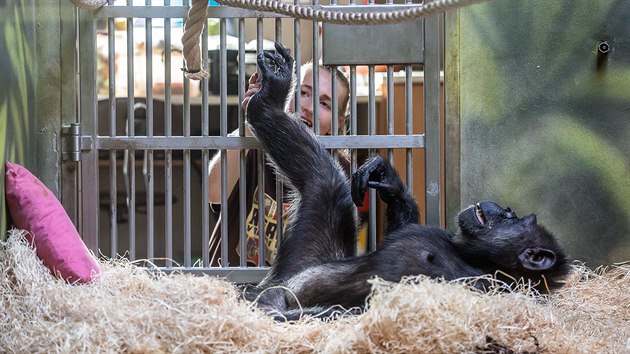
(195, 23)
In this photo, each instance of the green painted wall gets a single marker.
(545, 119)
(36, 60)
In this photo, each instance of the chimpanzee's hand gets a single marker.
(378, 174)
(276, 82)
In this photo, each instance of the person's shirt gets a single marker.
(252, 210)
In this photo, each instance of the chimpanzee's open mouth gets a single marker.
(479, 214)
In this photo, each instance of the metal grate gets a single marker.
(148, 134)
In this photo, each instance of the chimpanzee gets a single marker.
(316, 268)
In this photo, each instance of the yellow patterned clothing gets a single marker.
(251, 220)
(270, 230)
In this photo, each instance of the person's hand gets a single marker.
(254, 86)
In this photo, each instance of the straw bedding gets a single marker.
(127, 309)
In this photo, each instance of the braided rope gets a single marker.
(197, 18)
(193, 27)
(338, 17)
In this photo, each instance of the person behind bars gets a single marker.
(306, 92)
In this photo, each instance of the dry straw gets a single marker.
(130, 310)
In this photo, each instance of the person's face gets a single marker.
(325, 100)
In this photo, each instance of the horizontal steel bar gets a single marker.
(233, 274)
(177, 12)
(230, 142)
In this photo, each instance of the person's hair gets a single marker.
(343, 105)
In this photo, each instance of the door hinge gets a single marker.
(71, 140)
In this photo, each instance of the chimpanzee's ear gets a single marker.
(537, 259)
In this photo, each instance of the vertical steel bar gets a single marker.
(409, 119)
(261, 170)
(335, 93)
(242, 210)
(223, 124)
(409, 123)
(315, 74)
(298, 58)
(432, 110)
(148, 154)
(113, 185)
(131, 177)
(372, 132)
(279, 184)
(205, 158)
(168, 154)
(353, 114)
(452, 119)
(186, 180)
(390, 102)
(87, 117)
(186, 177)
(390, 108)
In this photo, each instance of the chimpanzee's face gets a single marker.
(495, 238)
(486, 215)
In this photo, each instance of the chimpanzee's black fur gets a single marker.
(317, 260)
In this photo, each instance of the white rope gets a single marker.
(196, 21)
(89, 4)
(338, 17)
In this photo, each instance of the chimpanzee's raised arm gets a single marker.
(379, 174)
(323, 224)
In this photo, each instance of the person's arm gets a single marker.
(214, 174)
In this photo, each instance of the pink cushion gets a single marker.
(34, 208)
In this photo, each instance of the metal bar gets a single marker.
(205, 159)
(187, 187)
(168, 153)
(70, 101)
(148, 169)
(131, 178)
(372, 132)
(113, 185)
(178, 12)
(234, 142)
(353, 115)
(432, 109)
(298, 58)
(334, 101)
(390, 109)
(315, 74)
(409, 124)
(223, 128)
(452, 120)
(87, 117)
(409, 120)
(261, 170)
(279, 184)
(242, 206)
